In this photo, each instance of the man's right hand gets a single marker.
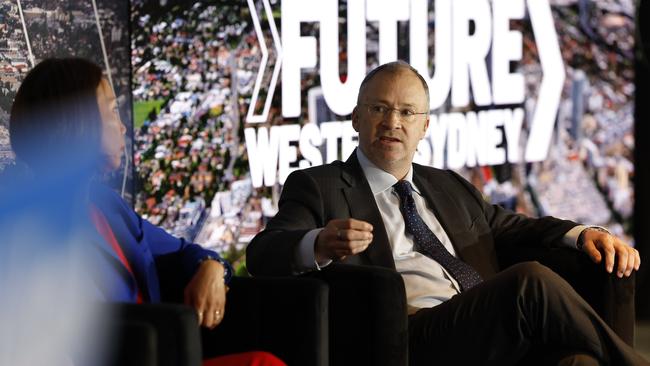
(342, 237)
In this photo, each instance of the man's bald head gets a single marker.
(393, 68)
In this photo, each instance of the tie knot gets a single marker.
(403, 189)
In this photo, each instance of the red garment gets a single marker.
(106, 232)
(255, 358)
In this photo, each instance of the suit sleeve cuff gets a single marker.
(570, 239)
(572, 236)
(305, 257)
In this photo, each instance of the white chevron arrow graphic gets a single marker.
(550, 89)
(251, 117)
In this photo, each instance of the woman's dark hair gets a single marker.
(55, 117)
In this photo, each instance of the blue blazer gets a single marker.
(141, 242)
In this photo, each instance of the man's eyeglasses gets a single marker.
(382, 111)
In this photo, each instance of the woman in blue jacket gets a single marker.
(64, 120)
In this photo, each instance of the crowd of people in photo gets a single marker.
(189, 149)
(61, 29)
(595, 118)
(14, 61)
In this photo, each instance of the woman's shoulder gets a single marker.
(107, 199)
(100, 190)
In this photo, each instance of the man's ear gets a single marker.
(355, 119)
(426, 125)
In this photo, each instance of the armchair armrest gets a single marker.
(610, 296)
(152, 334)
(367, 314)
(284, 316)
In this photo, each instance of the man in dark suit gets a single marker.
(434, 228)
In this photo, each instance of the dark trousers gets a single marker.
(524, 310)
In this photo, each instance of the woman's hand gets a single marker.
(206, 293)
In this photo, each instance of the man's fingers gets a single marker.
(359, 246)
(610, 255)
(352, 234)
(631, 261)
(606, 246)
(343, 237)
(617, 254)
(593, 253)
(350, 247)
(351, 224)
(622, 255)
(341, 253)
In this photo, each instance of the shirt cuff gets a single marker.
(571, 237)
(305, 257)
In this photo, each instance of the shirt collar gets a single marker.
(379, 179)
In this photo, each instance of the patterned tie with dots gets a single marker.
(428, 244)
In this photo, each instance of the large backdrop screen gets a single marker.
(32, 30)
(532, 101)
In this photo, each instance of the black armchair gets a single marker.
(610, 296)
(284, 316)
(368, 312)
(368, 322)
(153, 334)
(347, 314)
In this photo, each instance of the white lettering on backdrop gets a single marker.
(474, 49)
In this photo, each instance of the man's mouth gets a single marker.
(389, 139)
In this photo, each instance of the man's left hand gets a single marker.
(206, 293)
(599, 243)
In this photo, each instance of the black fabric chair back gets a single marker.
(368, 321)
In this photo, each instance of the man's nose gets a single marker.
(392, 119)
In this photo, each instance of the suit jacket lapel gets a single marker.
(443, 207)
(363, 207)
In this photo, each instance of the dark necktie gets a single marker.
(428, 244)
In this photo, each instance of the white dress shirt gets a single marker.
(427, 283)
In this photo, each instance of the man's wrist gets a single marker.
(305, 257)
(581, 238)
(318, 255)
